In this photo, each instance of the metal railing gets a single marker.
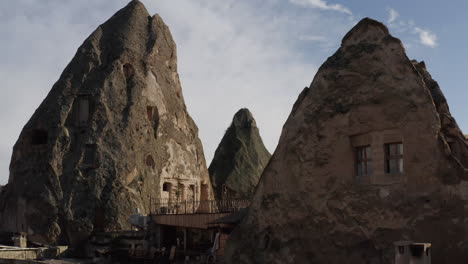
(165, 207)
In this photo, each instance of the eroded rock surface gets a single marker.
(315, 203)
(239, 159)
(111, 132)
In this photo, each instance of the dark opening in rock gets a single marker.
(166, 187)
(81, 111)
(90, 155)
(149, 111)
(39, 137)
(266, 242)
(150, 161)
(128, 70)
(416, 250)
(401, 250)
(153, 117)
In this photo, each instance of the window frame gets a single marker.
(388, 157)
(366, 161)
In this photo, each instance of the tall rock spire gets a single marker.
(368, 156)
(239, 159)
(111, 133)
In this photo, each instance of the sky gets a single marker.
(232, 54)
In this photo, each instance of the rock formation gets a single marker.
(112, 135)
(369, 155)
(239, 159)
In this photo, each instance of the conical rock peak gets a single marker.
(109, 138)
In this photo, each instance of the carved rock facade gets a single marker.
(369, 155)
(111, 132)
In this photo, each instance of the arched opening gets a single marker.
(128, 70)
(149, 112)
(153, 116)
(150, 161)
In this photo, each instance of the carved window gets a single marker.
(149, 111)
(83, 114)
(417, 250)
(150, 161)
(394, 158)
(401, 250)
(82, 107)
(90, 155)
(128, 70)
(166, 187)
(39, 137)
(363, 161)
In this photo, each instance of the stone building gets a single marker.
(369, 155)
(112, 135)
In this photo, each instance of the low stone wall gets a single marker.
(22, 254)
(19, 261)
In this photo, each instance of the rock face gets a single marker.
(369, 155)
(112, 135)
(239, 159)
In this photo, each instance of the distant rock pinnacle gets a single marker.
(239, 159)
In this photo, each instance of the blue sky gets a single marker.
(232, 53)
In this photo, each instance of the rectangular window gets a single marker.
(90, 155)
(149, 111)
(166, 187)
(83, 112)
(394, 158)
(363, 161)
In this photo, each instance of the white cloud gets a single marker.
(392, 15)
(320, 4)
(426, 37)
(232, 58)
